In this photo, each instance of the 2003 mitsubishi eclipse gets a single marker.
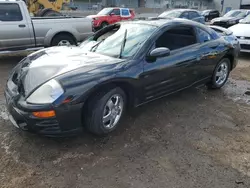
(59, 90)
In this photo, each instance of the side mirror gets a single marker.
(206, 39)
(112, 14)
(159, 52)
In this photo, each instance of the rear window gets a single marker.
(10, 12)
(116, 12)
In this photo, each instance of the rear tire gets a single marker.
(63, 40)
(105, 111)
(220, 75)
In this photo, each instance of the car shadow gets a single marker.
(134, 123)
(244, 56)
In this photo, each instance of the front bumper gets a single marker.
(68, 120)
(244, 44)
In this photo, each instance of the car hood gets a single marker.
(225, 19)
(241, 30)
(46, 64)
(96, 16)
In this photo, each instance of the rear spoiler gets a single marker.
(221, 30)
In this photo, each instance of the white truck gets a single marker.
(20, 32)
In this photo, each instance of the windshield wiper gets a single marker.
(96, 45)
(123, 43)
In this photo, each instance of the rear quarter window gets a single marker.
(125, 12)
(10, 12)
(203, 35)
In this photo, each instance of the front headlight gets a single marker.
(95, 18)
(47, 93)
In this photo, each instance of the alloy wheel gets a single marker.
(113, 111)
(222, 73)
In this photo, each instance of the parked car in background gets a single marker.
(112, 15)
(210, 14)
(231, 18)
(184, 13)
(242, 32)
(21, 32)
(123, 65)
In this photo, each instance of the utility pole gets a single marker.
(222, 6)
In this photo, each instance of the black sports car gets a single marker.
(231, 18)
(59, 90)
(210, 14)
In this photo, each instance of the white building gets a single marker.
(221, 5)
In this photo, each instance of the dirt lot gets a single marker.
(196, 138)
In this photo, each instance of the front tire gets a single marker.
(104, 24)
(220, 75)
(105, 110)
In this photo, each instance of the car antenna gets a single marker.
(123, 43)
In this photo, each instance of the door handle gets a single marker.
(22, 25)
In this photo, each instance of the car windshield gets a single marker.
(235, 13)
(206, 11)
(134, 34)
(105, 11)
(246, 20)
(171, 14)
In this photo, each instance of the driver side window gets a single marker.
(116, 12)
(176, 38)
(184, 15)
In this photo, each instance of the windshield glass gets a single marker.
(246, 20)
(236, 13)
(205, 11)
(105, 11)
(171, 14)
(135, 35)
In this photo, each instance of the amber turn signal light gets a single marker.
(44, 114)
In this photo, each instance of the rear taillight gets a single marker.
(93, 29)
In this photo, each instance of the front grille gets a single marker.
(247, 38)
(245, 46)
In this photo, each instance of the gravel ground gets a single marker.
(196, 138)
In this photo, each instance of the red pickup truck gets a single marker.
(112, 15)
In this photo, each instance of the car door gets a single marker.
(115, 15)
(209, 54)
(171, 73)
(14, 32)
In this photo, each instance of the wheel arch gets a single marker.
(51, 34)
(63, 33)
(231, 57)
(127, 87)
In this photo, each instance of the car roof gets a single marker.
(240, 10)
(182, 10)
(117, 7)
(210, 10)
(159, 22)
